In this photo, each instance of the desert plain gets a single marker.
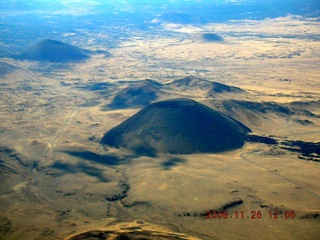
(58, 181)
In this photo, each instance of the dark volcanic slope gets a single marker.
(6, 68)
(180, 126)
(190, 82)
(194, 83)
(54, 51)
(138, 95)
(220, 88)
(212, 37)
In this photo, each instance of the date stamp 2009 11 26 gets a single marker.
(272, 214)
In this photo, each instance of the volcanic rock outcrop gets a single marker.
(177, 126)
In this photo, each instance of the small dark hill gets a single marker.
(138, 95)
(222, 88)
(191, 82)
(211, 88)
(178, 126)
(212, 37)
(6, 68)
(54, 51)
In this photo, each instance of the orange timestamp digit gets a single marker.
(216, 214)
(275, 214)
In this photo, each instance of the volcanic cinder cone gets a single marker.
(54, 51)
(179, 126)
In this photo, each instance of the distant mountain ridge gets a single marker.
(54, 51)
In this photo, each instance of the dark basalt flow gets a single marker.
(310, 151)
(223, 208)
(120, 196)
(314, 215)
(231, 205)
(261, 139)
(177, 126)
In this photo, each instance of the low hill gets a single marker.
(190, 82)
(54, 51)
(211, 37)
(209, 88)
(178, 126)
(269, 117)
(137, 95)
(6, 68)
(221, 88)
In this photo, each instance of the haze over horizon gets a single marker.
(230, 8)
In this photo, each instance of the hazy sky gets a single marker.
(85, 7)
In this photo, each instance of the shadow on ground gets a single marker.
(68, 168)
(94, 157)
(172, 162)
